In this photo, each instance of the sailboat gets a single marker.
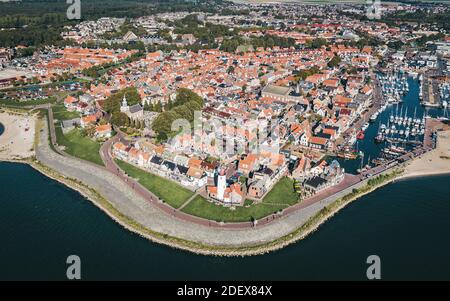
(405, 119)
(407, 133)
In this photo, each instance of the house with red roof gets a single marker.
(88, 120)
(103, 131)
(70, 103)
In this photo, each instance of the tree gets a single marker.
(157, 107)
(334, 62)
(185, 95)
(112, 103)
(162, 136)
(163, 123)
(184, 106)
(185, 112)
(316, 43)
(90, 131)
(303, 74)
(119, 119)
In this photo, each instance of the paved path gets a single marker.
(189, 200)
(136, 202)
(111, 166)
(51, 122)
(153, 216)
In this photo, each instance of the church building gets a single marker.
(135, 112)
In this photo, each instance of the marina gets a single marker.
(396, 128)
(394, 86)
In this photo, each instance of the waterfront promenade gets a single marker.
(144, 212)
(142, 206)
(350, 182)
(137, 204)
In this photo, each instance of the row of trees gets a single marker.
(122, 120)
(40, 22)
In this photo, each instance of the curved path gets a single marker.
(154, 217)
(105, 153)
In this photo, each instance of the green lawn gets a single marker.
(60, 113)
(78, 146)
(169, 191)
(280, 197)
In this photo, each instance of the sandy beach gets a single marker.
(434, 162)
(17, 141)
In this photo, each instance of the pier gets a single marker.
(399, 140)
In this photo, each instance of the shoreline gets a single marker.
(308, 228)
(314, 217)
(434, 162)
(17, 139)
(410, 175)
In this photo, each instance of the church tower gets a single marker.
(124, 107)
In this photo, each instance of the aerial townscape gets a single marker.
(226, 128)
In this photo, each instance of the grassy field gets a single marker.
(78, 146)
(281, 196)
(60, 113)
(172, 193)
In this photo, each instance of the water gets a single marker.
(368, 146)
(2, 129)
(42, 222)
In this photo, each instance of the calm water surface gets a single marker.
(42, 222)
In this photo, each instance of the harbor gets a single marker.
(396, 126)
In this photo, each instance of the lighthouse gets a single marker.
(221, 185)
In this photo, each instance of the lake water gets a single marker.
(42, 222)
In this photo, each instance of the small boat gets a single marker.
(379, 138)
(407, 132)
(373, 117)
(360, 135)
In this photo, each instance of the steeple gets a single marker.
(124, 101)
(124, 107)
